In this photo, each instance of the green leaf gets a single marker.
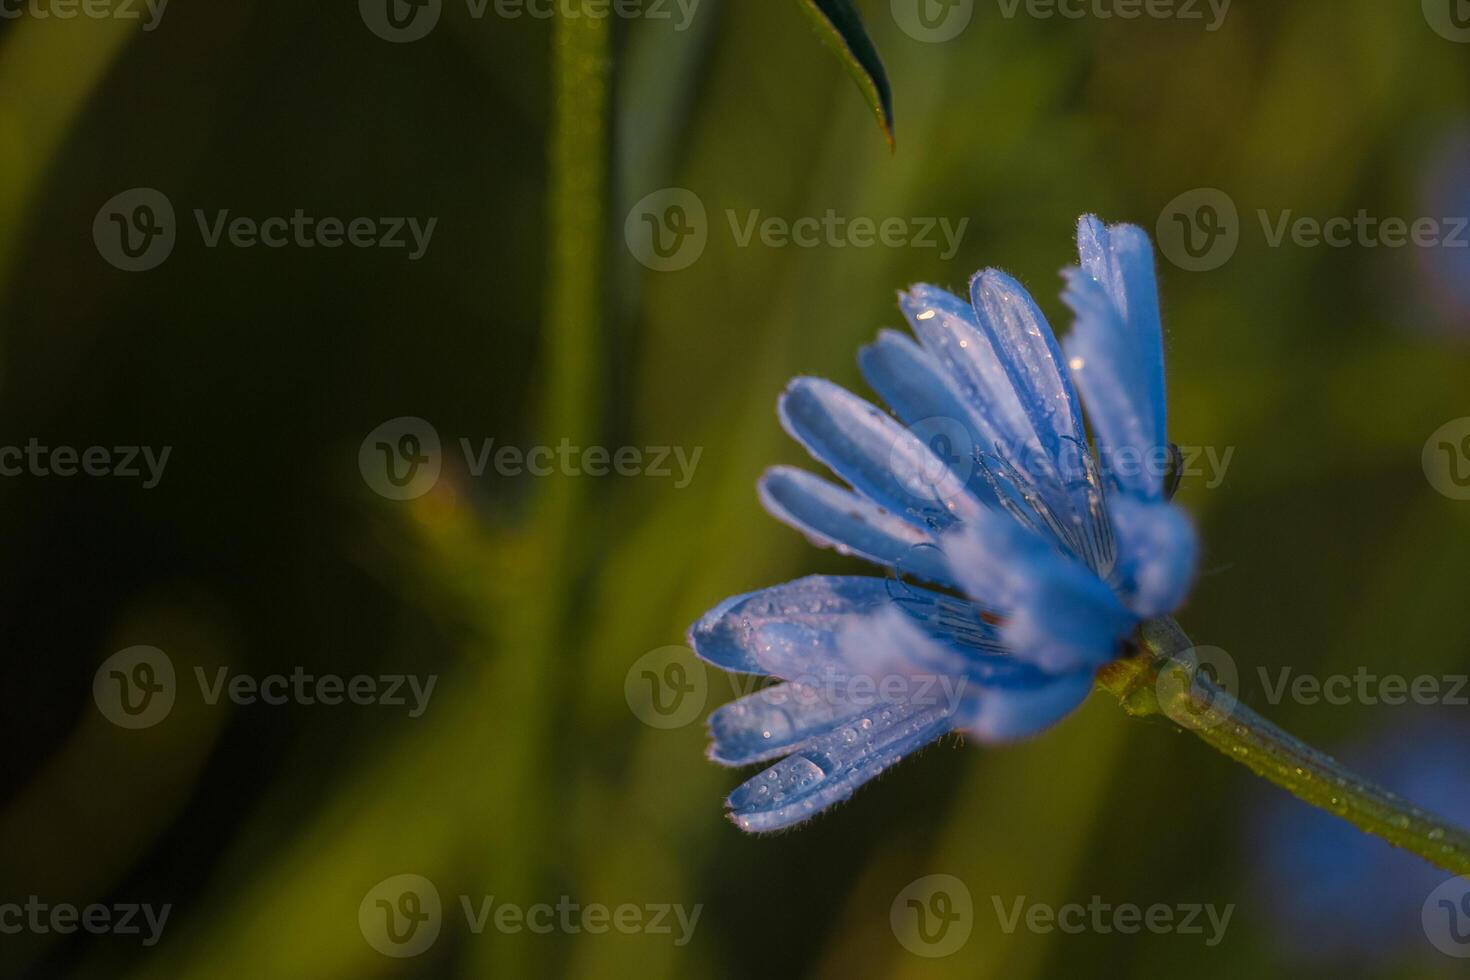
(842, 30)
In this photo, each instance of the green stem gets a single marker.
(532, 627)
(1167, 679)
(581, 60)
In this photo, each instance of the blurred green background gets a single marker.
(529, 777)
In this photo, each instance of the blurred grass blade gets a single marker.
(842, 29)
(48, 69)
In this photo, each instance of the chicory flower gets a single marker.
(1022, 555)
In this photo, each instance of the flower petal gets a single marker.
(1121, 259)
(920, 664)
(924, 396)
(796, 631)
(996, 557)
(949, 331)
(830, 768)
(1012, 468)
(1157, 554)
(833, 517)
(879, 458)
(1007, 713)
(1104, 364)
(1058, 614)
(772, 722)
(1070, 620)
(1028, 352)
(1115, 352)
(718, 638)
(1071, 495)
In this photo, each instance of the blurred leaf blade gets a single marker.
(841, 28)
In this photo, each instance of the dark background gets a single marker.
(528, 778)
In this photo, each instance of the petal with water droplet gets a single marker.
(831, 768)
(772, 722)
(810, 627)
(879, 458)
(833, 517)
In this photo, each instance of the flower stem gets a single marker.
(1170, 677)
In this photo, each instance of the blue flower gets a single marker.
(1444, 267)
(1335, 896)
(1041, 554)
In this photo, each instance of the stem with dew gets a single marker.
(1166, 678)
